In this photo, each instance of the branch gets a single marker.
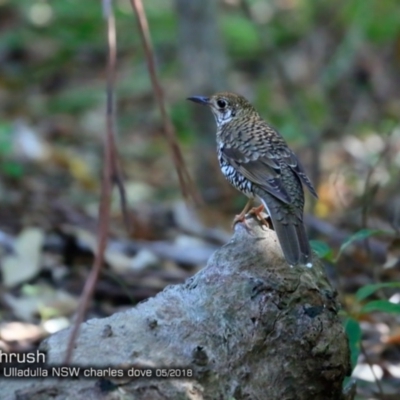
(187, 187)
(106, 187)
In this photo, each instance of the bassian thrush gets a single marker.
(257, 161)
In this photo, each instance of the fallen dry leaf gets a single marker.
(44, 301)
(26, 262)
(21, 331)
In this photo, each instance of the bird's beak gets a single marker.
(200, 99)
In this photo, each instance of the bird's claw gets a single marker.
(239, 218)
(257, 212)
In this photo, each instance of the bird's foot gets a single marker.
(257, 212)
(240, 218)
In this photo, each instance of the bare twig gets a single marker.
(116, 173)
(187, 187)
(370, 192)
(368, 361)
(119, 182)
(104, 208)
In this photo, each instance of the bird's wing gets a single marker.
(263, 172)
(296, 166)
(273, 146)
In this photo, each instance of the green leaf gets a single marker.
(367, 290)
(322, 249)
(6, 143)
(381, 305)
(367, 16)
(13, 169)
(360, 235)
(353, 331)
(240, 35)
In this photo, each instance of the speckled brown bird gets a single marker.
(257, 161)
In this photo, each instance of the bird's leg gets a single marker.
(241, 217)
(257, 211)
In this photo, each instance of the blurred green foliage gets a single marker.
(9, 166)
(65, 43)
(377, 20)
(361, 306)
(241, 36)
(353, 331)
(5, 139)
(53, 56)
(326, 253)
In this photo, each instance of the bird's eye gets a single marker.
(221, 103)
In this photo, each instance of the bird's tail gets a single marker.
(291, 233)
